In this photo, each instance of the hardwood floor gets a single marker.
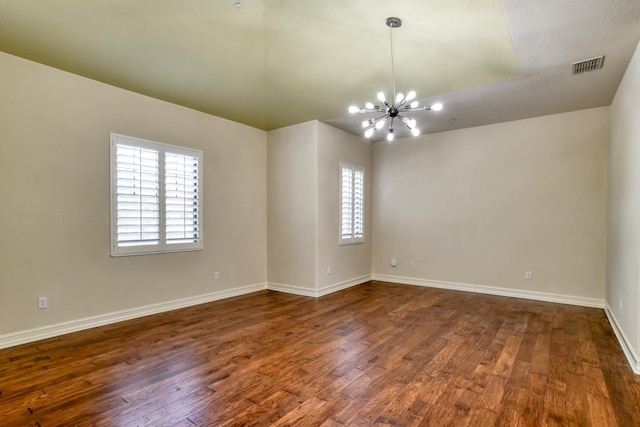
(375, 354)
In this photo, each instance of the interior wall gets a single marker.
(482, 206)
(348, 264)
(54, 192)
(623, 257)
(292, 208)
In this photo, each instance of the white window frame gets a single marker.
(162, 245)
(352, 204)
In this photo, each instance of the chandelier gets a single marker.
(394, 109)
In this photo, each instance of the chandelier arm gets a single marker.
(375, 109)
(402, 118)
(406, 121)
(427, 108)
(376, 120)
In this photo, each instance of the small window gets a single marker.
(156, 197)
(351, 204)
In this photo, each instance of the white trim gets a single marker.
(627, 348)
(49, 331)
(343, 285)
(291, 289)
(307, 292)
(494, 290)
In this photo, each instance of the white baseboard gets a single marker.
(308, 292)
(343, 285)
(291, 289)
(49, 331)
(629, 352)
(494, 290)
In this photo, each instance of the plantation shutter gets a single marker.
(351, 204)
(182, 198)
(137, 196)
(358, 204)
(346, 202)
(156, 197)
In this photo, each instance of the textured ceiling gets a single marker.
(273, 63)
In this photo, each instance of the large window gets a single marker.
(351, 204)
(156, 197)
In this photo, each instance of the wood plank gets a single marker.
(531, 408)
(378, 353)
(601, 411)
(492, 395)
(576, 400)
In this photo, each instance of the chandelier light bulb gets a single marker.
(414, 104)
(390, 135)
(381, 97)
(436, 107)
(411, 123)
(369, 106)
(380, 124)
(415, 131)
(353, 109)
(411, 95)
(366, 123)
(369, 132)
(399, 98)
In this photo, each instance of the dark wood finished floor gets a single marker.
(375, 354)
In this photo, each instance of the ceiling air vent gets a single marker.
(587, 65)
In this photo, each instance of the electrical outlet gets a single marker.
(42, 302)
(328, 271)
(393, 262)
(412, 264)
(528, 275)
(216, 275)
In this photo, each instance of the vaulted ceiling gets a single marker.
(273, 63)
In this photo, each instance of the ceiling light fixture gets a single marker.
(399, 104)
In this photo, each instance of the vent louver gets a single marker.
(587, 65)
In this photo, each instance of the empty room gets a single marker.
(305, 213)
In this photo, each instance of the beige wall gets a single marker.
(303, 213)
(54, 193)
(481, 206)
(292, 211)
(349, 263)
(623, 257)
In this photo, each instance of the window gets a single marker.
(351, 204)
(156, 197)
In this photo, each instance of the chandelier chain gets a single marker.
(393, 72)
